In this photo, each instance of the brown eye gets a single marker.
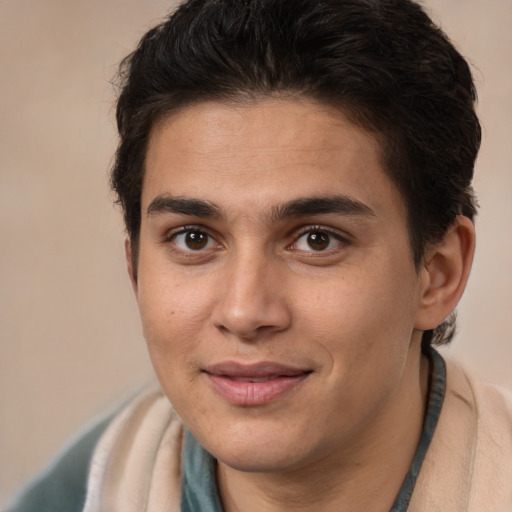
(192, 240)
(318, 240)
(196, 240)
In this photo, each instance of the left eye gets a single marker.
(317, 241)
(193, 240)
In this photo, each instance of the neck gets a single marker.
(366, 476)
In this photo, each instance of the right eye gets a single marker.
(192, 239)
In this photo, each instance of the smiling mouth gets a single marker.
(254, 385)
(253, 379)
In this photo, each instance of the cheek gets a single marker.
(170, 321)
(172, 311)
(363, 317)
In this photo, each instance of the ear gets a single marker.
(444, 274)
(132, 271)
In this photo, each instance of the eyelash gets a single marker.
(184, 230)
(331, 233)
(297, 235)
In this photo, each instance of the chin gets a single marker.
(262, 451)
(254, 461)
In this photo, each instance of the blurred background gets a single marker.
(71, 343)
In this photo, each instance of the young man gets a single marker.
(296, 184)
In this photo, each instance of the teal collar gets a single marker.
(199, 487)
(437, 387)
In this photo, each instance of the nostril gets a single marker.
(250, 304)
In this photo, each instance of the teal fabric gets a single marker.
(199, 488)
(437, 386)
(62, 487)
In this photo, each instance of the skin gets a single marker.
(250, 279)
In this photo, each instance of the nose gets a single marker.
(251, 302)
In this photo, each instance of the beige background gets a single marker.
(70, 337)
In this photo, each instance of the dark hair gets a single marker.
(382, 62)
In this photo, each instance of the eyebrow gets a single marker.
(183, 206)
(322, 205)
(301, 207)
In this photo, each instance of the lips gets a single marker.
(254, 379)
(255, 384)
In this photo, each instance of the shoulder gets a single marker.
(137, 460)
(478, 422)
(62, 485)
(468, 466)
(492, 459)
(491, 405)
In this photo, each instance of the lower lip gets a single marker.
(254, 393)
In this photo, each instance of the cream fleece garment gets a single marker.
(468, 466)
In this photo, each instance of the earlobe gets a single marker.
(444, 274)
(128, 252)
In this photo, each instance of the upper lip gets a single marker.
(263, 369)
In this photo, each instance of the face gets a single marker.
(276, 282)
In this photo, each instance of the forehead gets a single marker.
(264, 153)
